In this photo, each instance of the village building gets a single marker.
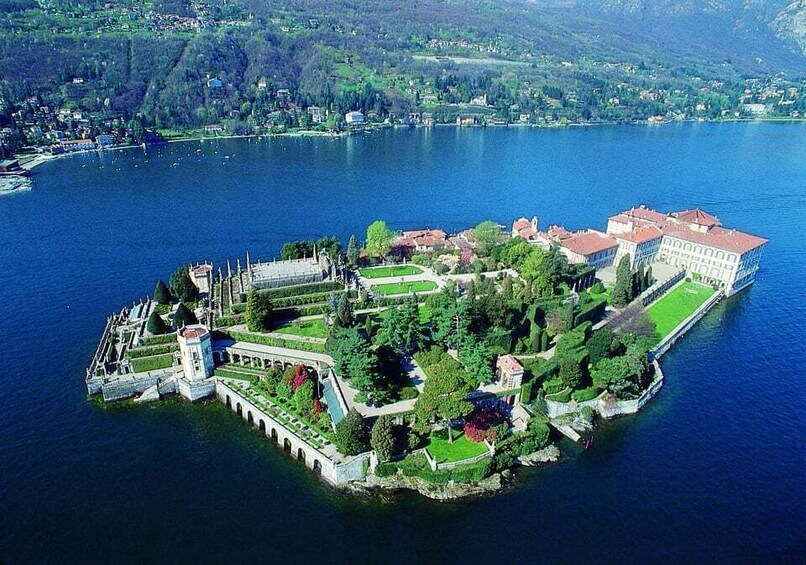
(276, 274)
(691, 239)
(423, 241)
(508, 372)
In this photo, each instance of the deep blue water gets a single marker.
(712, 470)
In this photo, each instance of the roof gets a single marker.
(521, 224)
(697, 216)
(284, 269)
(718, 237)
(194, 331)
(509, 364)
(422, 238)
(643, 213)
(641, 234)
(586, 244)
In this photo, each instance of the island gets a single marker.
(425, 360)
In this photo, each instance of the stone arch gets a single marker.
(317, 467)
(262, 426)
(274, 437)
(250, 418)
(287, 445)
(229, 402)
(301, 455)
(236, 358)
(239, 410)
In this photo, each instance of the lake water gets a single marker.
(712, 470)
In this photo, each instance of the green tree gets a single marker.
(444, 397)
(400, 328)
(354, 359)
(379, 239)
(351, 434)
(487, 235)
(181, 285)
(184, 317)
(156, 325)
(506, 288)
(344, 317)
(352, 251)
(571, 372)
(383, 437)
(601, 345)
(258, 312)
(623, 290)
(477, 359)
(449, 317)
(303, 399)
(161, 293)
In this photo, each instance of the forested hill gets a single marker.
(254, 64)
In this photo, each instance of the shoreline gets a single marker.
(41, 158)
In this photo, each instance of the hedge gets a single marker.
(573, 339)
(417, 466)
(151, 351)
(562, 396)
(278, 342)
(299, 311)
(585, 394)
(500, 341)
(224, 321)
(592, 311)
(553, 386)
(526, 392)
(540, 368)
(159, 339)
(226, 373)
(302, 289)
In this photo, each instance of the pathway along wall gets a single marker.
(333, 472)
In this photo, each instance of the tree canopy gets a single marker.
(258, 314)
(161, 293)
(351, 434)
(383, 439)
(181, 285)
(379, 239)
(156, 325)
(487, 235)
(184, 317)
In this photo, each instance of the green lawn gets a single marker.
(404, 288)
(305, 328)
(676, 306)
(394, 271)
(461, 448)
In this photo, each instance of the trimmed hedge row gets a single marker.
(302, 289)
(562, 396)
(592, 311)
(159, 339)
(277, 342)
(585, 394)
(151, 351)
(553, 386)
(225, 321)
(226, 373)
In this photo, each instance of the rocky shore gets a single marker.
(452, 491)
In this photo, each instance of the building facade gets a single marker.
(196, 352)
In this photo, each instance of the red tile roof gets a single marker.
(586, 244)
(697, 216)
(641, 234)
(190, 332)
(509, 364)
(521, 224)
(718, 237)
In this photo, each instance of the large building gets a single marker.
(196, 352)
(691, 239)
(276, 274)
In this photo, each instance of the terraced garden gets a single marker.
(303, 328)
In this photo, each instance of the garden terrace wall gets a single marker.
(605, 407)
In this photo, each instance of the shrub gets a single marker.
(385, 470)
(156, 325)
(184, 317)
(351, 434)
(571, 372)
(301, 290)
(553, 386)
(562, 396)
(598, 288)
(485, 424)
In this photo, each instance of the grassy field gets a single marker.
(394, 271)
(143, 364)
(404, 288)
(461, 448)
(676, 306)
(305, 328)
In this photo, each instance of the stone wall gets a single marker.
(606, 408)
(131, 386)
(288, 440)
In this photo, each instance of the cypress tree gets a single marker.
(623, 291)
(184, 317)
(351, 434)
(506, 288)
(537, 340)
(383, 437)
(352, 251)
(161, 293)
(544, 341)
(156, 325)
